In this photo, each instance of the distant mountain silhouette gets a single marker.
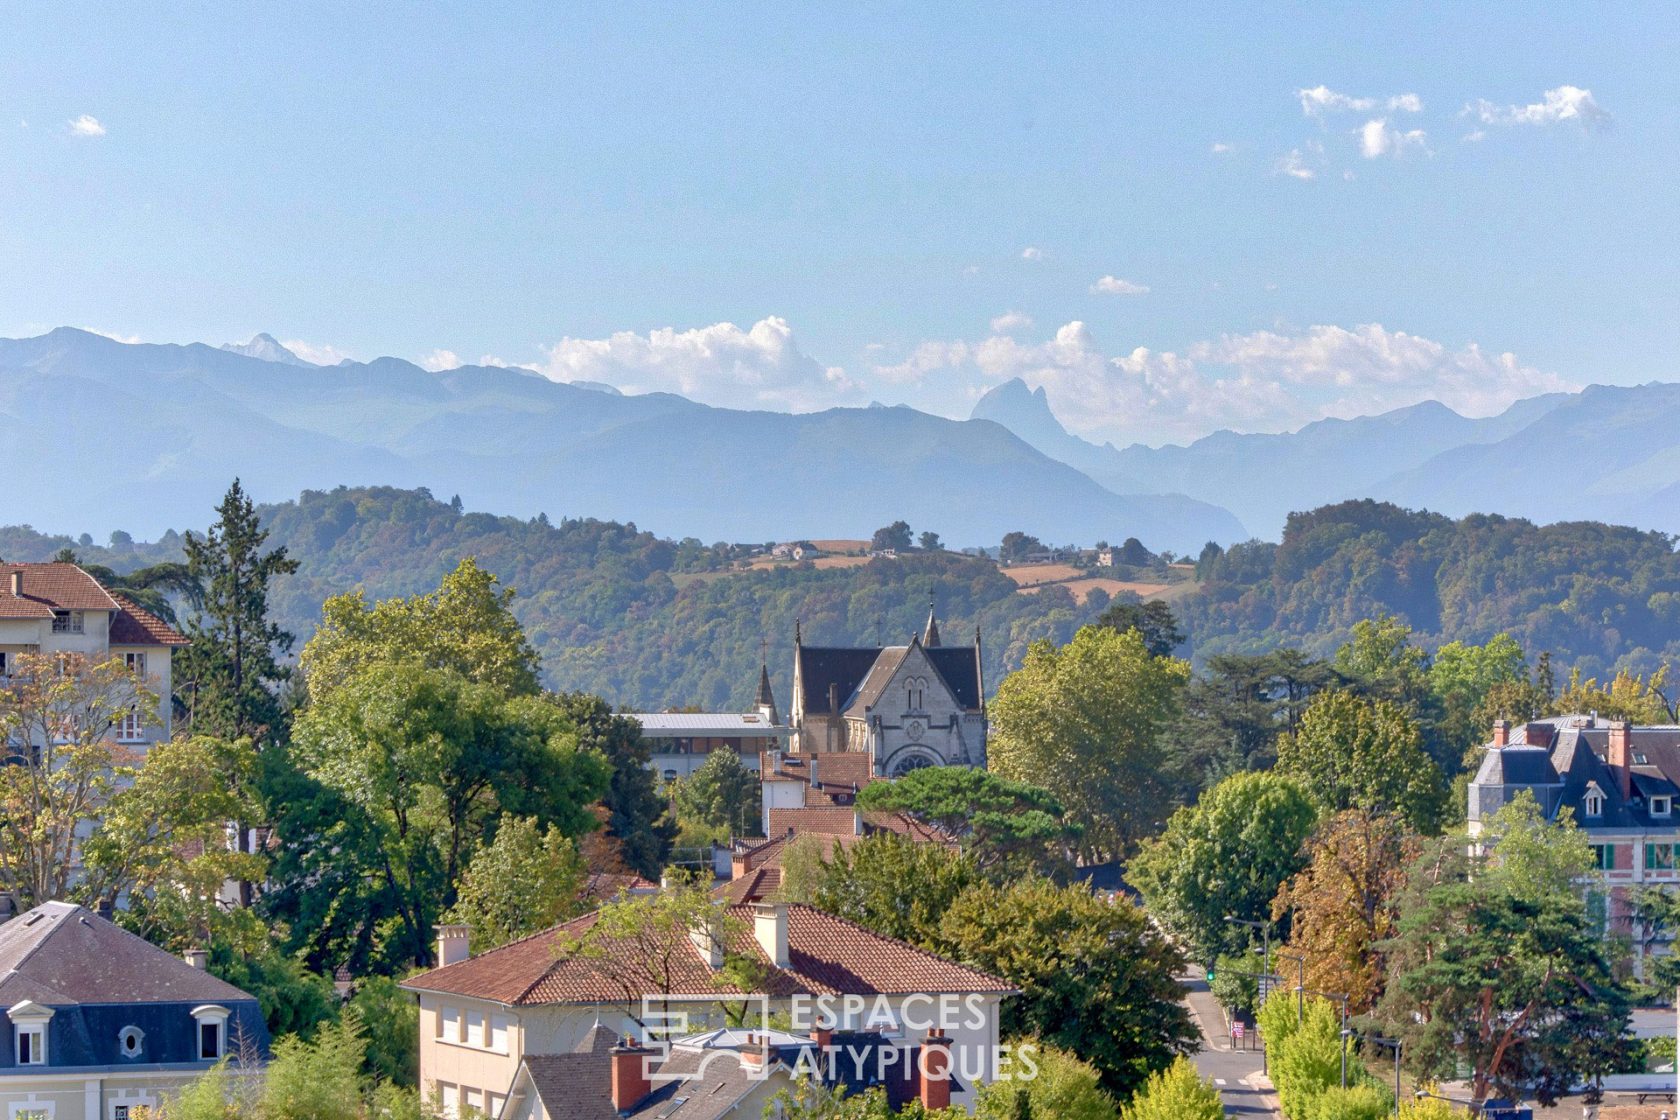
(143, 437)
(265, 346)
(1426, 455)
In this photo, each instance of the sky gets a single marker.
(1175, 218)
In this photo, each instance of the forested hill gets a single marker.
(645, 622)
(648, 622)
(1597, 596)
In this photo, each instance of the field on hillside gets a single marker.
(1033, 575)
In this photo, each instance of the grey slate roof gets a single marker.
(1558, 760)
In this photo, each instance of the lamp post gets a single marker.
(1300, 985)
(1396, 1043)
(1265, 929)
(1344, 1031)
(1474, 1108)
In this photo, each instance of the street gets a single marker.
(1236, 1073)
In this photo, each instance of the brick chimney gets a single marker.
(1537, 734)
(1620, 756)
(770, 927)
(630, 1080)
(453, 944)
(1501, 732)
(755, 1055)
(933, 1068)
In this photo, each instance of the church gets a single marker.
(905, 707)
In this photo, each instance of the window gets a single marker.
(1659, 857)
(32, 1111)
(67, 622)
(1595, 804)
(450, 1097)
(32, 1044)
(475, 1028)
(135, 663)
(1604, 857)
(5, 664)
(1660, 806)
(119, 1112)
(449, 1020)
(131, 1042)
(493, 1104)
(499, 1033)
(475, 1099)
(212, 1031)
(131, 728)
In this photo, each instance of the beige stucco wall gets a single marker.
(73, 1096)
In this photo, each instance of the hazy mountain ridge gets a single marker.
(185, 419)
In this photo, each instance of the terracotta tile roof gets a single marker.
(134, 625)
(769, 853)
(760, 884)
(845, 768)
(905, 825)
(834, 820)
(50, 587)
(826, 955)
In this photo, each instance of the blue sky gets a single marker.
(798, 206)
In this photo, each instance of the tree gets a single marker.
(895, 536)
(1175, 1093)
(425, 760)
(1627, 696)
(1341, 905)
(391, 1022)
(232, 667)
(1005, 827)
(1017, 546)
(719, 800)
(57, 711)
(1096, 977)
(1087, 722)
(803, 869)
(1354, 752)
(1133, 554)
(1239, 706)
(1154, 620)
(525, 880)
(1224, 857)
(894, 886)
(1061, 1085)
(929, 542)
(465, 627)
(1496, 967)
(636, 809)
(1462, 676)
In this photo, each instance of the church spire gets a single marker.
(765, 701)
(930, 635)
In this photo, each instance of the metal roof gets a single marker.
(671, 724)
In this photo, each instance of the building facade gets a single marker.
(99, 1023)
(1618, 782)
(902, 707)
(679, 743)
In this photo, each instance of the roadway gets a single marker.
(1236, 1073)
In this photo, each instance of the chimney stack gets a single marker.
(197, 958)
(770, 926)
(17, 583)
(1538, 734)
(706, 942)
(453, 944)
(630, 1080)
(934, 1071)
(755, 1055)
(1620, 756)
(1501, 732)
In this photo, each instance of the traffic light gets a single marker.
(1210, 974)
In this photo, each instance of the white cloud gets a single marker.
(1294, 165)
(115, 336)
(1011, 321)
(1475, 137)
(1221, 148)
(1319, 100)
(1263, 381)
(1378, 139)
(319, 355)
(85, 125)
(1563, 105)
(1114, 286)
(439, 360)
(761, 367)
(1032, 253)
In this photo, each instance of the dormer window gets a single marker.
(1661, 805)
(29, 1032)
(68, 622)
(212, 1031)
(131, 1042)
(1595, 804)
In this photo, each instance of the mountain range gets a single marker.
(143, 436)
(1606, 453)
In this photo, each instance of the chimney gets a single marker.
(453, 944)
(196, 958)
(1501, 732)
(1620, 756)
(934, 1072)
(755, 1055)
(1537, 734)
(630, 1081)
(17, 583)
(770, 926)
(707, 943)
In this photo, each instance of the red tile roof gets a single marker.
(826, 955)
(833, 820)
(50, 587)
(759, 884)
(134, 625)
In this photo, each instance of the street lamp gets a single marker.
(1300, 985)
(1420, 1094)
(1396, 1043)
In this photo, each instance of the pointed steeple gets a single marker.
(930, 635)
(765, 701)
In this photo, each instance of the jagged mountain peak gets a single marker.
(265, 347)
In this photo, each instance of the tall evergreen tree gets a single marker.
(233, 664)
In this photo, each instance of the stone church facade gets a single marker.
(909, 706)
